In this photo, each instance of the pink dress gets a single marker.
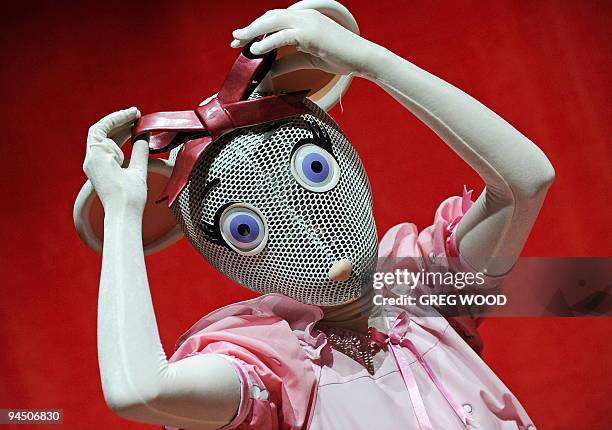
(423, 374)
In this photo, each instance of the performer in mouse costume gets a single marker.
(270, 191)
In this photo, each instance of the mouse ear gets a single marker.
(159, 226)
(326, 88)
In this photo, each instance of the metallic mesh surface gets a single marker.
(308, 231)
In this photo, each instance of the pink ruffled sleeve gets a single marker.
(436, 245)
(404, 240)
(439, 238)
(435, 249)
(276, 375)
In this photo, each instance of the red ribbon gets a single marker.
(229, 110)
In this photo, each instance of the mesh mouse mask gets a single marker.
(267, 188)
(274, 206)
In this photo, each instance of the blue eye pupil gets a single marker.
(244, 228)
(315, 167)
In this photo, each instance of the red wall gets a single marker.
(544, 66)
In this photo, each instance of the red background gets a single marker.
(544, 66)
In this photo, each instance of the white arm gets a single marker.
(199, 392)
(516, 173)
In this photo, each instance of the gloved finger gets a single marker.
(102, 128)
(238, 43)
(121, 134)
(99, 149)
(275, 41)
(140, 158)
(293, 62)
(267, 23)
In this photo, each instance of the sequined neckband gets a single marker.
(357, 346)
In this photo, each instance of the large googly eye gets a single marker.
(315, 168)
(243, 228)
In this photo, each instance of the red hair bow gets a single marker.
(227, 111)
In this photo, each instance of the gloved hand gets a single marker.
(117, 186)
(323, 43)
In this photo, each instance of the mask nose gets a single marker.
(341, 270)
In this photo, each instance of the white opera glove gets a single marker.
(516, 172)
(198, 392)
(114, 184)
(322, 43)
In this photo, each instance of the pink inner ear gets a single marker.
(318, 81)
(158, 219)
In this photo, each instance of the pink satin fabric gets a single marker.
(427, 376)
(396, 339)
(257, 336)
